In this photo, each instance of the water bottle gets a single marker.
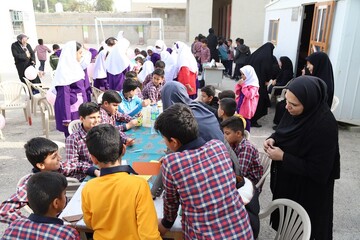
(154, 113)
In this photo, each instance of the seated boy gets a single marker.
(131, 104)
(199, 174)
(109, 112)
(246, 152)
(134, 76)
(43, 155)
(78, 163)
(158, 65)
(46, 196)
(116, 205)
(208, 96)
(226, 94)
(152, 90)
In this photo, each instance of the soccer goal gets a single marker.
(141, 27)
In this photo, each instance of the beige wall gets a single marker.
(199, 20)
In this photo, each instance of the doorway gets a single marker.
(304, 38)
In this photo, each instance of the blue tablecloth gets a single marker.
(147, 146)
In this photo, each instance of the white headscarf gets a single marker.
(117, 61)
(185, 57)
(99, 66)
(160, 46)
(170, 66)
(147, 68)
(251, 77)
(85, 59)
(69, 69)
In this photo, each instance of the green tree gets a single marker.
(104, 5)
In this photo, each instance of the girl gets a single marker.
(247, 95)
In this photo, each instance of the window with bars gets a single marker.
(273, 31)
(17, 22)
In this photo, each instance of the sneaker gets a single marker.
(255, 124)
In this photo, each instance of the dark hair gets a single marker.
(241, 41)
(136, 51)
(78, 46)
(144, 53)
(40, 41)
(111, 96)
(103, 142)
(178, 122)
(110, 41)
(160, 64)
(237, 40)
(43, 188)
(226, 94)
(196, 38)
(87, 108)
(209, 90)
(211, 30)
(228, 105)
(204, 40)
(159, 71)
(140, 59)
(230, 40)
(38, 148)
(234, 123)
(131, 74)
(130, 84)
(55, 47)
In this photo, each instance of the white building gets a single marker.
(16, 16)
(298, 27)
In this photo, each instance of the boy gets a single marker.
(43, 154)
(208, 96)
(46, 196)
(116, 205)
(152, 90)
(246, 152)
(131, 104)
(227, 108)
(109, 111)
(78, 163)
(54, 58)
(204, 52)
(226, 94)
(199, 174)
(159, 64)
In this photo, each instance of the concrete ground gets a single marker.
(13, 165)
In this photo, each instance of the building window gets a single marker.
(273, 31)
(17, 22)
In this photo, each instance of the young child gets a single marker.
(159, 64)
(204, 52)
(46, 196)
(247, 95)
(227, 108)
(54, 58)
(134, 76)
(78, 163)
(152, 90)
(131, 104)
(226, 94)
(199, 174)
(208, 96)
(116, 205)
(109, 112)
(246, 152)
(43, 155)
(41, 50)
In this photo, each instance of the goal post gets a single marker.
(99, 22)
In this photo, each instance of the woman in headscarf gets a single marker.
(85, 63)
(305, 154)
(99, 75)
(247, 94)
(117, 65)
(147, 68)
(69, 86)
(170, 66)
(320, 66)
(262, 61)
(187, 68)
(285, 75)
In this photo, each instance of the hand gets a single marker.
(130, 142)
(273, 82)
(190, 89)
(146, 103)
(275, 153)
(66, 124)
(97, 172)
(269, 143)
(132, 124)
(241, 81)
(163, 230)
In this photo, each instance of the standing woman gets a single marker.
(186, 68)
(320, 66)
(69, 85)
(262, 61)
(305, 154)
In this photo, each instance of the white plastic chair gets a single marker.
(16, 95)
(47, 114)
(96, 93)
(265, 162)
(34, 97)
(74, 126)
(247, 134)
(335, 103)
(294, 222)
